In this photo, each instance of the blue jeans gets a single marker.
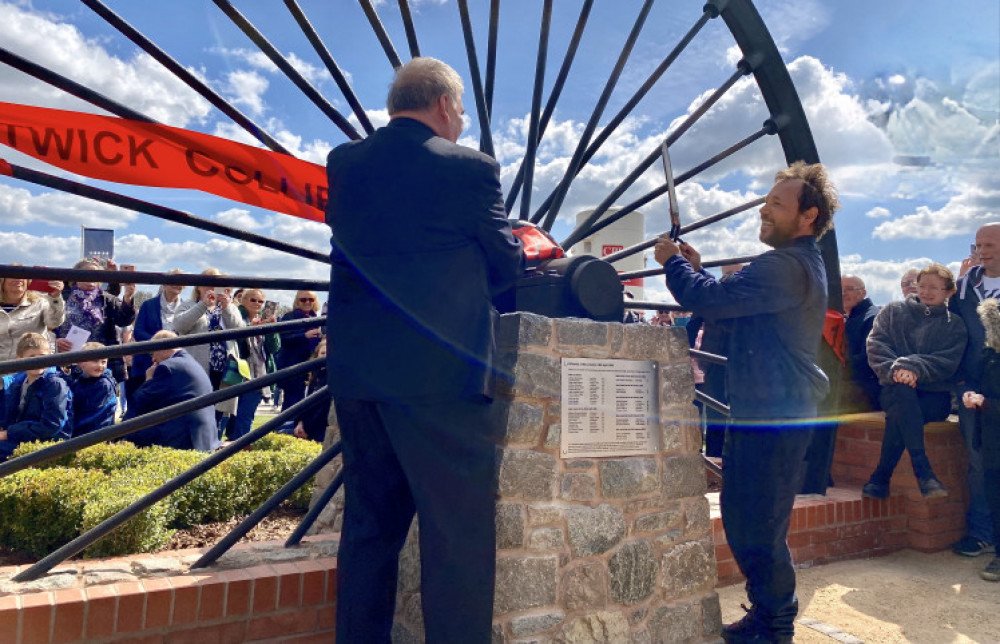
(762, 470)
(246, 407)
(978, 522)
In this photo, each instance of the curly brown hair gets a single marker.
(817, 190)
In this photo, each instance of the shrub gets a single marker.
(42, 509)
(24, 449)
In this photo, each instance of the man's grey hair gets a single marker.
(420, 83)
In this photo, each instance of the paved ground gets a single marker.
(904, 597)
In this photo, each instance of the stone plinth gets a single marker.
(615, 549)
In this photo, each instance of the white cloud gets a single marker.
(971, 206)
(240, 218)
(881, 277)
(878, 212)
(19, 207)
(140, 82)
(259, 60)
(247, 88)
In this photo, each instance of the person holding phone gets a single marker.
(211, 309)
(27, 311)
(297, 346)
(93, 314)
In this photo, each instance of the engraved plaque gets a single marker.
(609, 407)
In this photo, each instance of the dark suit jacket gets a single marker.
(176, 379)
(421, 242)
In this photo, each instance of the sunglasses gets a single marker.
(307, 299)
(255, 300)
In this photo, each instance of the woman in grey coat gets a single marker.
(915, 348)
(211, 309)
(23, 311)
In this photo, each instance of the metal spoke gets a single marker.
(709, 357)
(771, 126)
(268, 506)
(381, 34)
(282, 63)
(491, 55)
(108, 526)
(708, 401)
(184, 75)
(550, 105)
(71, 87)
(650, 272)
(331, 64)
(317, 508)
(536, 105)
(575, 163)
(582, 230)
(411, 33)
(133, 425)
(485, 134)
(701, 223)
(161, 212)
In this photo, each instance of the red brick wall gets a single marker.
(291, 603)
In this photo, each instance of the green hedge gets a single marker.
(43, 508)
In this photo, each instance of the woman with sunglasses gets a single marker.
(259, 351)
(297, 346)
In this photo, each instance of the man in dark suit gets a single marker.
(421, 243)
(174, 377)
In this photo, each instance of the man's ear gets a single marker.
(809, 215)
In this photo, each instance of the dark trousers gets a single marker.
(294, 390)
(906, 411)
(439, 461)
(762, 470)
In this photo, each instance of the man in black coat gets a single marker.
(420, 244)
(174, 377)
(859, 314)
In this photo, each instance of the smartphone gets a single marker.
(41, 286)
(269, 310)
(128, 267)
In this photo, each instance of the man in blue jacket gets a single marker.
(174, 377)
(775, 308)
(421, 243)
(981, 282)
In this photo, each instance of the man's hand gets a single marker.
(691, 255)
(972, 400)
(300, 430)
(905, 376)
(3, 434)
(665, 249)
(150, 370)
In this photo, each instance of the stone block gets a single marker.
(688, 567)
(578, 334)
(640, 636)
(603, 627)
(402, 635)
(523, 424)
(684, 476)
(697, 517)
(409, 562)
(594, 530)
(510, 525)
(534, 375)
(676, 385)
(585, 587)
(672, 519)
(534, 624)
(578, 487)
(527, 474)
(632, 569)
(645, 342)
(543, 515)
(671, 435)
(524, 329)
(553, 436)
(627, 477)
(413, 612)
(525, 582)
(546, 539)
(578, 464)
(675, 625)
(711, 615)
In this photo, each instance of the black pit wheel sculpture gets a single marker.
(760, 58)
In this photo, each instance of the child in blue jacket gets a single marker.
(37, 402)
(95, 394)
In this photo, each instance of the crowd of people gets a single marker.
(59, 403)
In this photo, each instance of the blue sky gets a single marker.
(878, 80)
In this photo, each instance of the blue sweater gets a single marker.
(94, 401)
(776, 306)
(48, 409)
